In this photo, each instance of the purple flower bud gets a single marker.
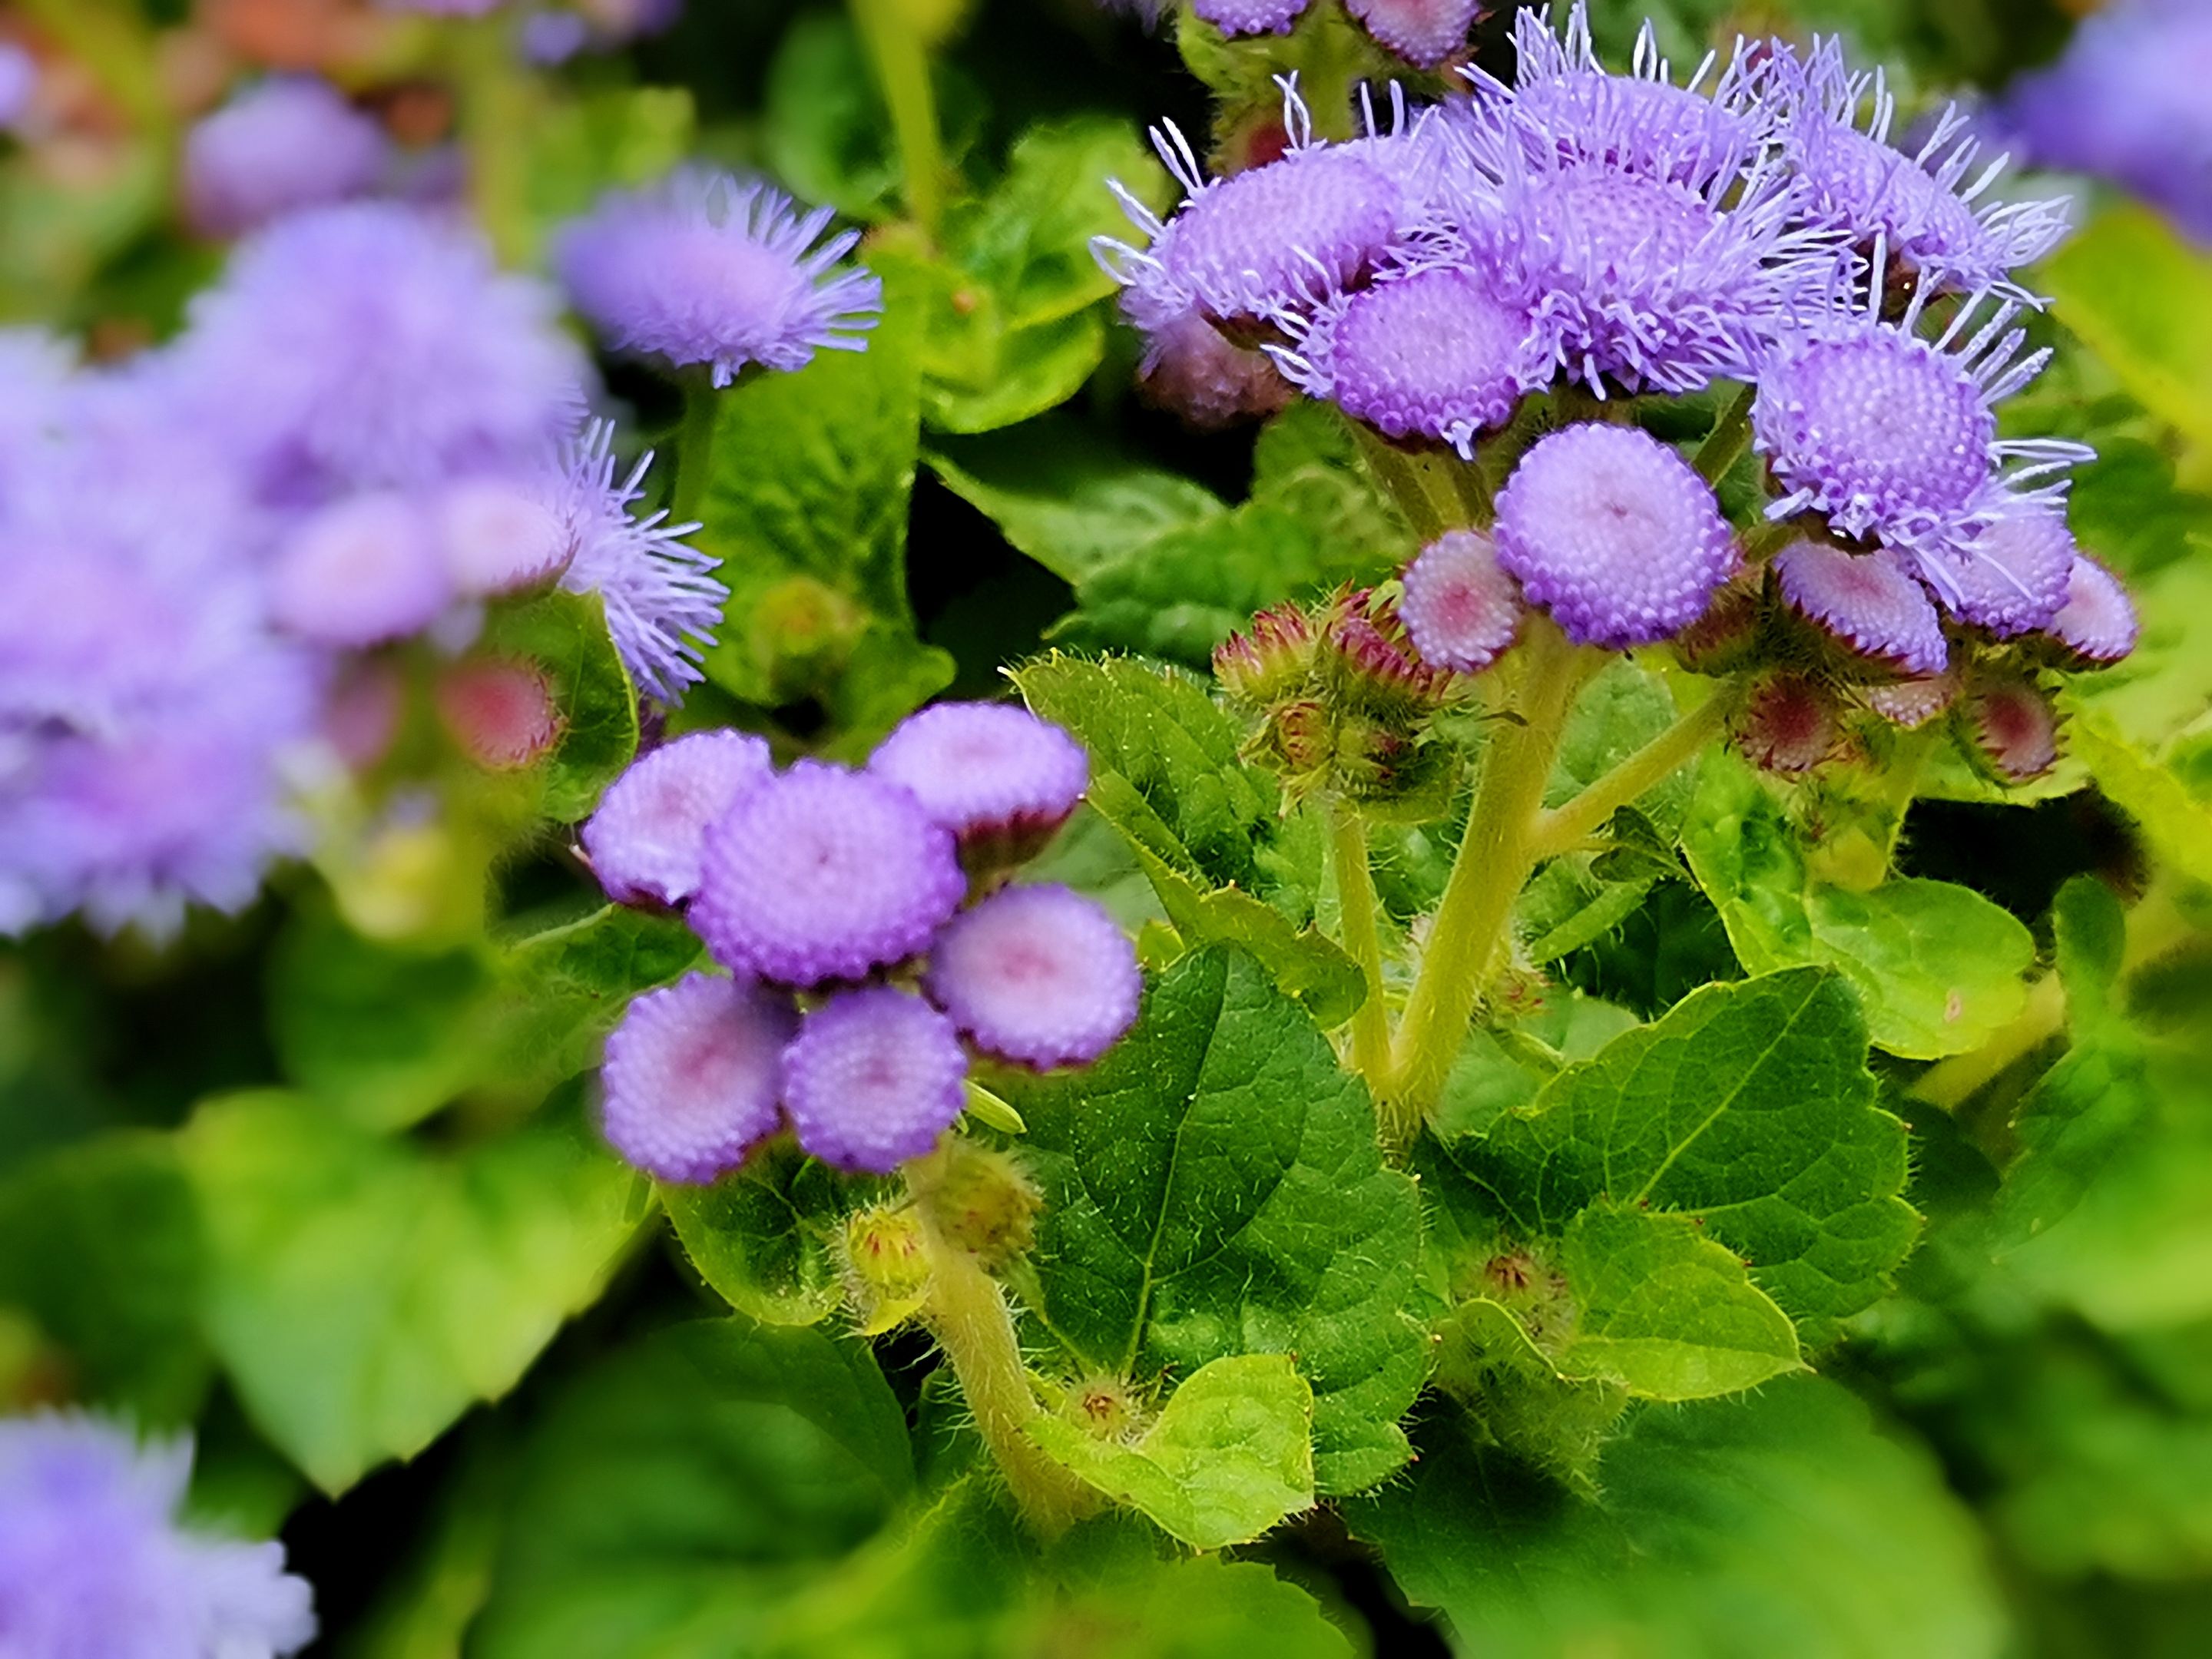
(2097, 620)
(1460, 607)
(1433, 352)
(19, 83)
(2015, 728)
(646, 840)
(364, 570)
(704, 270)
(1867, 601)
(93, 1562)
(692, 1075)
(289, 144)
(1250, 16)
(1191, 369)
(1039, 974)
(1614, 533)
(1787, 724)
(2012, 577)
(498, 536)
(986, 768)
(819, 873)
(1912, 703)
(873, 1079)
(1424, 32)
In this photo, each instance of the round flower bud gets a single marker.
(2014, 726)
(2012, 577)
(497, 538)
(1424, 32)
(363, 571)
(1191, 370)
(2097, 620)
(646, 840)
(873, 1079)
(1867, 601)
(1912, 703)
(502, 715)
(1787, 724)
(819, 873)
(1461, 609)
(985, 768)
(1039, 974)
(1250, 16)
(289, 144)
(1614, 533)
(691, 1077)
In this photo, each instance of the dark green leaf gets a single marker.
(766, 1238)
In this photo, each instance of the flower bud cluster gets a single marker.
(871, 940)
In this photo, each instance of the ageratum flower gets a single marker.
(650, 833)
(1250, 16)
(2011, 579)
(290, 143)
(1461, 609)
(985, 768)
(1424, 32)
(1870, 601)
(873, 1079)
(692, 1077)
(94, 1563)
(1039, 974)
(703, 270)
(2098, 621)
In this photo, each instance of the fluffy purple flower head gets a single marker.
(647, 839)
(498, 536)
(1193, 371)
(93, 1562)
(1890, 435)
(1038, 974)
(1460, 607)
(361, 570)
(1924, 208)
(1235, 17)
(1424, 32)
(820, 873)
(661, 605)
(19, 83)
(692, 1077)
(373, 345)
(873, 1079)
(289, 144)
(1432, 352)
(1614, 533)
(2097, 621)
(1867, 600)
(985, 768)
(703, 270)
(2012, 577)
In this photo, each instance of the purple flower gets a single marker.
(19, 83)
(1192, 370)
(2012, 577)
(704, 270)
(1868, 600)
(1614, 533)
(819, 873)
(661, 605)
(1424, 32)
(1039, 974)
(498, 536)
(1460, 607)
(1432, 352)
(1924, 208)
(873, 1079)
(365, 569)
(647, 837)
(985, 768)
(2097, 621)
(289, 144)
(374, 345)
(692, 1075)
(1250, 16)
(93, 1562)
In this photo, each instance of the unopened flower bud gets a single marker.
(1788, 724)
(1912, 703)
(1867, 601)
(1461, 610)
(1727, 636)
(887, 1264)
(500, 715)
(873, 1079)
(2097, 624)
(984, 1204)
(2012, 727)
(646, 841)
(1423, 31)
(692, 1074)
(995, 775)
(1192, 371)
(1273, 660)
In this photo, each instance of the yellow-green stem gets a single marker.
(1565, 826)
(495, 107)
(1355, 892)
(901, 60)
(695, 450)
(1496, 857)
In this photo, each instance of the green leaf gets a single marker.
(1213, 1187)
(565, 635)
(826, 134)
(766, 1238)
(1505, 1066)
(2141, 299)
(1231, 1453)
(1782, 1523)
(1749, 1106)
(2176, 821)
(363, 1293)
(1512, 1396)
(564, 988)
(578, 146)
(1937, 967)
(1665, 1311)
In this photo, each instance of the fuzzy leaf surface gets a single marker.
(765, 1238)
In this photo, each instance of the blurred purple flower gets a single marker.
(290, 143)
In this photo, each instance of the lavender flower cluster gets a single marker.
(1534, 260)
(862, 918)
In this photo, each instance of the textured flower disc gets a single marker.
(1235, 17)
(1437, 354)
(365, 571)
(1261, 239)
(647, 839)
(1877, 429)
(497, 537)
(1424, 32)
(692, 1076)
(1632, 124)
(1193, 372)
(2012, 577)
(1460, 607)
(1039, 974)
(1619, 225)
(820, 873)
(2098, 619)
(978, 767)
(1614, 533)
(873, 1079)
(1867, 600)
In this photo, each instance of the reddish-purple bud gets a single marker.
(2014, 727)
(1788, 724)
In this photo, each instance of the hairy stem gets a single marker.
(1435, 491)
(1355, 890)
(1496, 857)
(694, 449)
(901, 60)
(1565, 827)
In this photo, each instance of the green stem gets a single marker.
(1495, 859)
(1564, 828)
(1356, 899)
(494, 99)
(119, 51)
(966, 1313)
(901, 59)
(1435, 491)
(695, 450)
(1730, 436)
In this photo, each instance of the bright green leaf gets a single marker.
(2141, 298)
(1511, 1396)
(766, 1237)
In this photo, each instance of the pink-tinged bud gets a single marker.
(1303, 735)
(497, 538)
(500, 715)
(648, 838)
(1867, 601)
(1370, 659)
(1726, 637)
(2097, 623)
(1460, 609)
(1039, 974)
(692, 1075)
(1270, 661)
(1911, 703)
(873, 1079)
(1423, 31)
(2014, 727)
(1788, 724)
(992, 773)
(362, 715)
(1190, 370)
